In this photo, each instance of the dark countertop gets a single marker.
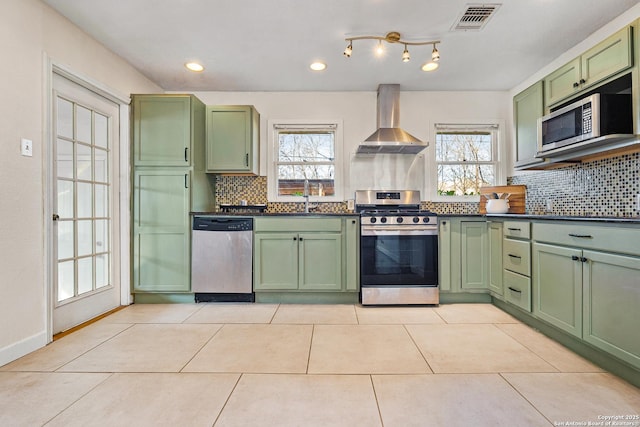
(621, 220)
(627, 220)
(252, 214)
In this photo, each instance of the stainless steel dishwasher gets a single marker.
(221, 259)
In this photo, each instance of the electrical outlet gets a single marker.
(549, 205)
(350, 205)
(26, 147)
(638, 202)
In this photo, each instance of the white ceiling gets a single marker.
(267, 45)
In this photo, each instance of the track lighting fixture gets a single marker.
(395, 37)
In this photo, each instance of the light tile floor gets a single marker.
(300, 365)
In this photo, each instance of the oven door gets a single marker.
(398, 257)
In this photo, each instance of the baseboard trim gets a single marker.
(22, 347)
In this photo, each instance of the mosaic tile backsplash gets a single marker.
(601, 188)
(231, 189)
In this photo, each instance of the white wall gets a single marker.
(29, 30)
(357, 110)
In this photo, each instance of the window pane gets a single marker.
(64, 122)
(84, 200)
(83, 162)
(85, 275)
(102, 270)
(102, 204)
(464, 179)
(102, 236)
(100, 131)
(65, 239)
(100, 166)
(66, 278)
(306, 146)
(83, 124)
(305, 172)
(64, 158)
(463, 147)
(65, 198)
(85, 237)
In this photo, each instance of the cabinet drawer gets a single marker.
(520, 229)
(517, 290)
(613, 238)
(516, 256)
(293, 224)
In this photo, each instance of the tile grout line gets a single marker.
(313, 329)
(227, 399)
(203, 346)
(375, 396)
(501, 374)
(418, 348)
(526, 348)
(110, 374)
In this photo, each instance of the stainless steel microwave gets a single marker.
(592, 117)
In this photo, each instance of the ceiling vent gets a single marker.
(475, 17)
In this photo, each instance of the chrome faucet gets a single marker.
(305, 194)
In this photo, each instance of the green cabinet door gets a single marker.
(611, 304)
(444, 254)
(562, 83)
(474, 248)
(232, 139)
(161, 130)
(351, 257)
(528, 107)
(320, 259)
(275, 261)
(604, 60)
(607, 58)
(557, 286)
(161, 231)
(495, 257)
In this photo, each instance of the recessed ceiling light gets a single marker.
(430, 66)
(318, 66)
(194, 66)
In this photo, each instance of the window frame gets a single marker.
(275, 127)
(495, 126)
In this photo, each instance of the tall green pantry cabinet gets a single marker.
(169, 181)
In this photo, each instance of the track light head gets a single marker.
(406, 57)
(348, 50)
(435, 55)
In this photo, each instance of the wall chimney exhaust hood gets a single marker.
(389, 138)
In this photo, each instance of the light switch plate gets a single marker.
(26, 147)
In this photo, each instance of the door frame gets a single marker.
(51, 66)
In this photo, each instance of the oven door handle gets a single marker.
(398, 231)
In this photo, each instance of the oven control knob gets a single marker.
(416, 219)
(374, 220)
(425, 219)
(383, 219)
(399, 220)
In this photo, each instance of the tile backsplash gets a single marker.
(603, 188)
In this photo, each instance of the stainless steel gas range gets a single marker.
(398, 249)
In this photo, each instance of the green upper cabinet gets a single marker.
(163, 130)
(602, 61)
(528, 107)
(233, 134)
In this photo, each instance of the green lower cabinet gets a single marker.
(316, 255)
(474, 246)
(495, 257)
(611, 304)
(161, 230)
(320, 259)
(275, 261)
(557, 295)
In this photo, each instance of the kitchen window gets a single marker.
(305, 152)
(466, 159)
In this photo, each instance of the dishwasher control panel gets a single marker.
(222, 223)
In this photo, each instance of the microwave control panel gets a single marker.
(586, 118)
